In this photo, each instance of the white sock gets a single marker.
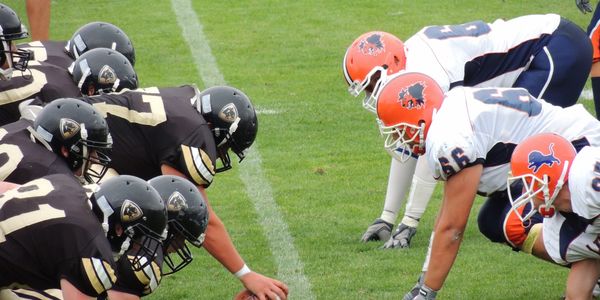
(398, 183)
(421, 190)
(428, 256)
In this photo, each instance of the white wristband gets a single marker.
(243, 271)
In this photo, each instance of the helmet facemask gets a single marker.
(16, 59)
(536, 188)
(375, 78)
(227, 143)
(145, 243)
(90, 154)
(175, 243)
(403, 139)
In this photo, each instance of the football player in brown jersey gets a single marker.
(95, 71)
(181, 131)
(11, 58)
(67, 137)
(53, 238)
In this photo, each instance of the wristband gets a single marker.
(243, 271)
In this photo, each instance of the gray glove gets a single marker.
(426, 293)
(414, 292)
(401, 238)
(380, 230)
(584, 6)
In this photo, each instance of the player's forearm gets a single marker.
(459, 194)
(582, 278)
(443, 253)
(219, 244)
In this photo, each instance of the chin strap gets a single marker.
(547, 209)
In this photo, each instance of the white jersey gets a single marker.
(584, 185)
(577, 238)
(478, 53)
(567, 240)
(483, 125)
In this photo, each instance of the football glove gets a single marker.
(415, 289)
(584, 6)
(401, 238)
(380, 230)
(426, 293)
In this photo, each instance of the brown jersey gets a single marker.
(139, 283)
(156, 126)
(48, 233)
(53, 52)
(42, 81)
(22, 159)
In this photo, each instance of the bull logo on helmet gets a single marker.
(176, 202)
(107, 75)
(537, 159)
(412, 96)
(130, 211)
(228, 113)
(372, 45)
(68, 128)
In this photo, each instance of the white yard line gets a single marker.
(289, 266)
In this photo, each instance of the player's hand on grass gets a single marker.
(401, 238)
(584, 6)
(264, 288)
(380, 230)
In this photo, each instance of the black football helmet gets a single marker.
(133, 216)
(100, 35)
(188, 218)
(11, 29)
(76, 126)
(103, 70)
(232, 119)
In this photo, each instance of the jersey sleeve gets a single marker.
(139, 283)
(450, 154)
(196, 157)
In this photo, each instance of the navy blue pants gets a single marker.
(559, 71)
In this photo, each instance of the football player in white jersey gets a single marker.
(467, 137)
(536, 52)
(564, 187)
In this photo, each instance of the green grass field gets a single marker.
(320, 152)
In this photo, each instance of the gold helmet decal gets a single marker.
(176, 202)
(130, 211)
(107, 75)
(68, 128)
(228, 113)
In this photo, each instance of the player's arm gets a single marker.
(117, 295)
(218, 243)
(70, 292)
(38, 14)
(459, 194)
(582, 278)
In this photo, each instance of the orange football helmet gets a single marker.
(406, 104)
(369, 60)
(541, 162)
